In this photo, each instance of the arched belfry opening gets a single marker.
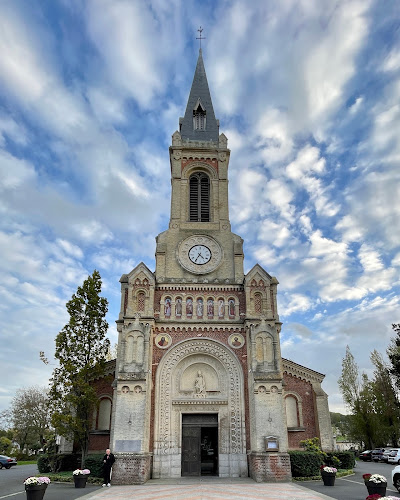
(199, 197)
(199, 116)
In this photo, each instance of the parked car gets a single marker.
(7, 462)
(394, 457)
(377, 454)
(386, 454)
(365, 455)
(396, 477)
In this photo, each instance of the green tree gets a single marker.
(386, 403)
(81, 349)
(30, 417)
(393, 352)
(358, 396)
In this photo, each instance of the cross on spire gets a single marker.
(200, 30)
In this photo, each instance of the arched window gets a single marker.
(292, 419)
(199, 197)
(257, 303)
(140, 301)
(104, 415)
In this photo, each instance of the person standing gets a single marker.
(108, 461)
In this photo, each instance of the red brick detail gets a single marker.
(131, 469)
(213, 163)
(305, 390)
(269, 467)
(99, 442)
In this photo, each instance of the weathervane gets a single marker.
(200, 30)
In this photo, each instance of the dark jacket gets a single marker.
(108, 460)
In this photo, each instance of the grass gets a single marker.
(67, 477)
(340, 473)
(27, 462)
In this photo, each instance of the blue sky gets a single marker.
(307, 93)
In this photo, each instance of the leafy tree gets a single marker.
(386, 401)
(393, 352)
(5, 445)
(81, 349)
(30, 417)
(358, 396)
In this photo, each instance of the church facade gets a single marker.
(199, 385)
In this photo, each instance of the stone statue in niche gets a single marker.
(189, 307)
(199, 308)
(178, 307)
(221, 308)
(199, 386)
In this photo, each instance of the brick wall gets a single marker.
(305, 391)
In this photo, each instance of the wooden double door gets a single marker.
(200, 444)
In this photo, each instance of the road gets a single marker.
(353, 487)
(348, 488)
(12, 487)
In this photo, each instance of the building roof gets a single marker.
(199, 93)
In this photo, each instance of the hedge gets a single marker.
(57, 463)
(70, 462)
(305, 463)
(95, 464)
(347, 458)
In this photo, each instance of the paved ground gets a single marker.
(207, 489)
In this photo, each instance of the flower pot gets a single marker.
(80, 481)
(374, 488)
(328, 478)
(35, 491)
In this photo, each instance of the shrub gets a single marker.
(346, 459)
(305, 463)
(95, 464)
(43, 464)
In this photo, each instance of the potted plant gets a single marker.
(375, 483)
(80, 477)
(35, 487)
(328, 475)
(376, 496)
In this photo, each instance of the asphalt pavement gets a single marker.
(353, 487)
(347, 488)
(12, 487)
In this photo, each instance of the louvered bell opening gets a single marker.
(204, 199)
(194, 199)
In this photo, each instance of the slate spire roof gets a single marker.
(199, 98)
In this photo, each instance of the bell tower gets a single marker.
(199, 244)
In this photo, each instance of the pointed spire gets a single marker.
(199, 102)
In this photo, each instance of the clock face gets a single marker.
(200, 254)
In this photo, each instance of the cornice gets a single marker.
(299, 371)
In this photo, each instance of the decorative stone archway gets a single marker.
(176, 395)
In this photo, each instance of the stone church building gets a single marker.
(199, 385)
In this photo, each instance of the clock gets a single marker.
(199, 254)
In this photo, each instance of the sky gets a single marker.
(308, 94)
